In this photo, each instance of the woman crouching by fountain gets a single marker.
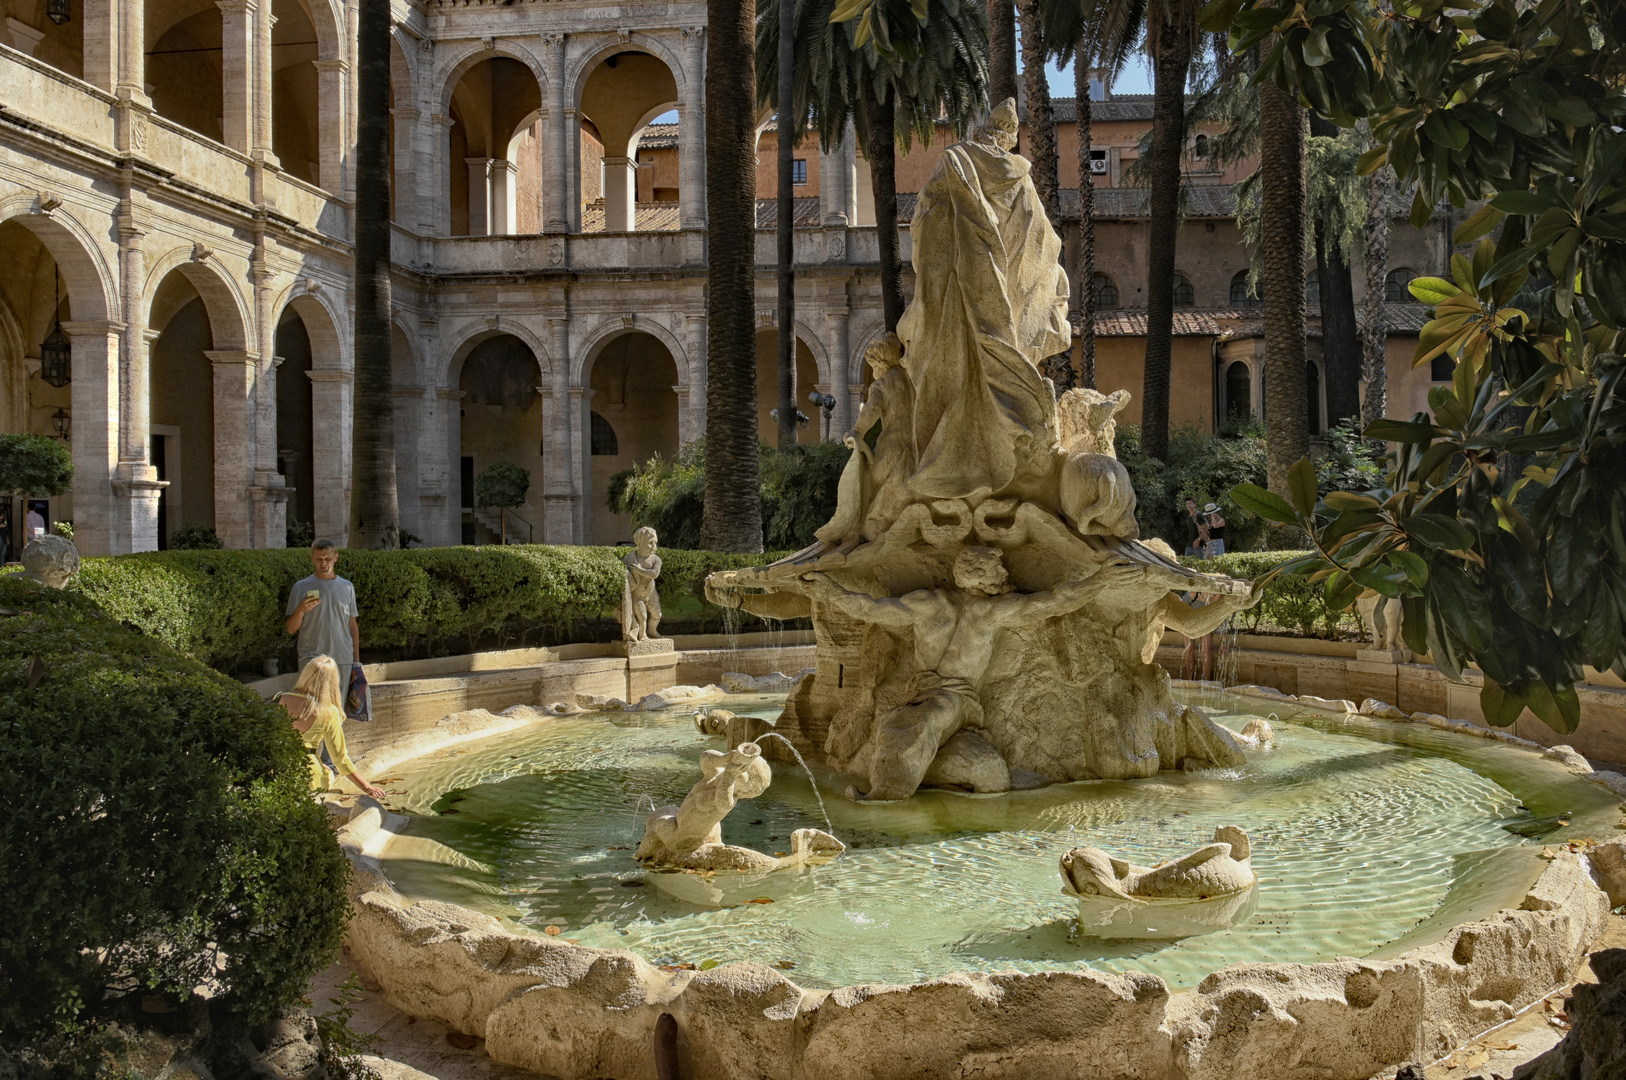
(317, 708)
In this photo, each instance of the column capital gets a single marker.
(553, 41)
(443, 119)
(579, 392)
(92, 327)
(405, 112)
(478, 160)
(339, 65)
(693, 35)
(329, 375)
(446, 393)
(409, 391)
(230, 356)
(236, 7)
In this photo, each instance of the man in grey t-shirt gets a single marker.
(322, 611)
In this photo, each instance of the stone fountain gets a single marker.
(985, 615)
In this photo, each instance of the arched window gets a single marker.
(1184, 294)
(1241, 296)
(603, 439)
(1105, 291)
(1312, 396)
(1199, 148)
(1312, 289)
(1396, 287)
(1238, 391)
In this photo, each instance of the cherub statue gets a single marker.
(872, 491)
(641, 601)
(691, 835)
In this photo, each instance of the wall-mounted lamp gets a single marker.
(57, 11)
(62, 424)
(56, 351)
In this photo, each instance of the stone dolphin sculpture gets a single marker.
(1213, 872)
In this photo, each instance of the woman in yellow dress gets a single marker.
(315, 705)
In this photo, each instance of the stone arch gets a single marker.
(320, 319)
(861, 338)
(815, 345)
(608, 331)
(485, 330)
(463, 59)
(85, 272)
(582, 67)
(632, 374)
(228, 315)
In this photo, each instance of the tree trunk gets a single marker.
(374, 516)
(1041, 117)
(1375, 335)
(1281, 174)
(732, 518)
(880, 119)
(1001, 51)
(787, 226)
(1340, 334)
(1086, 213)
(1170, 67)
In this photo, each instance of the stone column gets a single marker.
(132, 52)
(695, 343)
(330, 98)
(578, 411)
(436, 218)
(95, 407)
(620, 194)
(404, 169)
(331, 418)
(237, 18)
(849, 169)
(573, 171)
(556, 185)
(479, 195)
(686, 429)
(840, 361)
(268, 490)
(692, 132)
(101, 48)
(834, 183)
(559, 464)
(408, 455)
(504, 192)
(451, 524)
(136, 487)
(231, 370)
(264, 21)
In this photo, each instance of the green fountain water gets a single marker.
(1367, 837)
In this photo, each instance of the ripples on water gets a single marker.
(1353, 842)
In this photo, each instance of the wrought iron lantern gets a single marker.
(56, 352)
(57, 11)
(62, 424)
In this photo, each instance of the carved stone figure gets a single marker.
(980, 574)
(641, 601)
(1211, 872)
(1210, 887)
(1381, 616)
(691, 835)
(51, 560)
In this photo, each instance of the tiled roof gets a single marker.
(1231, 324)
(659, 137)
(652, 217)
(1117, 107)
(805, 213)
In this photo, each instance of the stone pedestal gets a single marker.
(1383, 656)
(651, 666)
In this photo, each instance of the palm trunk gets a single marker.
(880, 114)
(374, 515)
(1281, 173)
(1375, 336)
(787, 224)
(1340, 334)
(1086, 215)
(1041, 116)
(1171, 65)
(1001, 50)
(732, 518)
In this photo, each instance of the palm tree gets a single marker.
(1340, 336)
(1001, 50)
(1086, 211)
(732, 517)
(1281, 176)
(1375, 336)
(889, 98)
(374, 515)
(786, 228)
(1171, 34)
(1041, 116)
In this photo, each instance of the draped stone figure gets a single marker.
(990, 304)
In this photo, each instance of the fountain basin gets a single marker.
(1526, 922)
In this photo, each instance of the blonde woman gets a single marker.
(318, 711)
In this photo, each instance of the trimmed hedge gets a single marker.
(153, 814)
(1293, 605)
(225, 608)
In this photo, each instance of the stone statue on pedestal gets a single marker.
(640, 599)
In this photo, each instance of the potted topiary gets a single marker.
(502, 485)
(36, 465)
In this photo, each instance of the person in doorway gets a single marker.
(1192, 531)
(322, 611)
(1215, 547)
(33, 526)
(318, 716)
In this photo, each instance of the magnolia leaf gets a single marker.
(1415, 568)
(1479, 224)
(1433, 290)
(1349, 500)
(1268, 505)
(1500, 705)
(1559, 709)
(1405, 431)
(1301, 486)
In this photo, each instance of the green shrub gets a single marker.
(195, 537)
(154, 816)
(503, 484)
(1290, 604)
(34, 465)
(300, 534)
(798, 488)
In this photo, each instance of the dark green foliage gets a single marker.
(300, 534)
(153, 815)
(1289, 604)
(798, 493)
(195, 538)
(502, 484)
(34, 465)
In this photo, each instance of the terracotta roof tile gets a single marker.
(805, 213)
(652, 217)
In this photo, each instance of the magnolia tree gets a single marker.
(1500, 525)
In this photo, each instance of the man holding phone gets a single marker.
(322, 611)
